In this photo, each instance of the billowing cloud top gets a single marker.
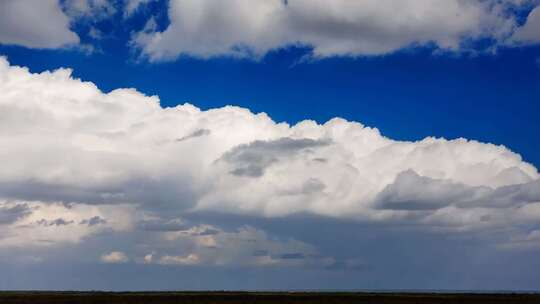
(66, 141)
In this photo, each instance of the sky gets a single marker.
(269, 144)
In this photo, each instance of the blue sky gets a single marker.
(452, 209)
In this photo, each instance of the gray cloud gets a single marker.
(506, 196)
(411, 191)
(251, 160)
(195, 134)
(56, 222)
(13, 212)
(93, 221)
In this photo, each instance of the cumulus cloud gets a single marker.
(115, 257)
(35, 24)
(251, 28)
(120, 170)
(69, 142)
(115, 178)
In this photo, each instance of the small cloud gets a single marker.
(202, 230)
(93, 221)
(148, 258)
(191, 259)
(95, 33)
(57, 222)
(114, 257)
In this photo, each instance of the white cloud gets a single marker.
(529, 33)
(93, 9)
(114, 177)
(251, 28)
(35, 24)
(68, 142)
(190, 259)
(131, 6)
(149, 258)
(114, 257)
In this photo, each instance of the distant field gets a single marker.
(259, 297)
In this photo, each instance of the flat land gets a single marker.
(20, 297)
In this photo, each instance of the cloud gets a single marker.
(56, 222)
(68, 142)
(252, 159)
(88, 174)
(93, 221)
(114, 257)
(252, 28)
(12, 212)
(190, 259)
(131, 6)
(195, 134)
(93, 171)
(244, 246)
(411, 191)
(35, 24)
(529, 33)
(89, 9)
(38, 224)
